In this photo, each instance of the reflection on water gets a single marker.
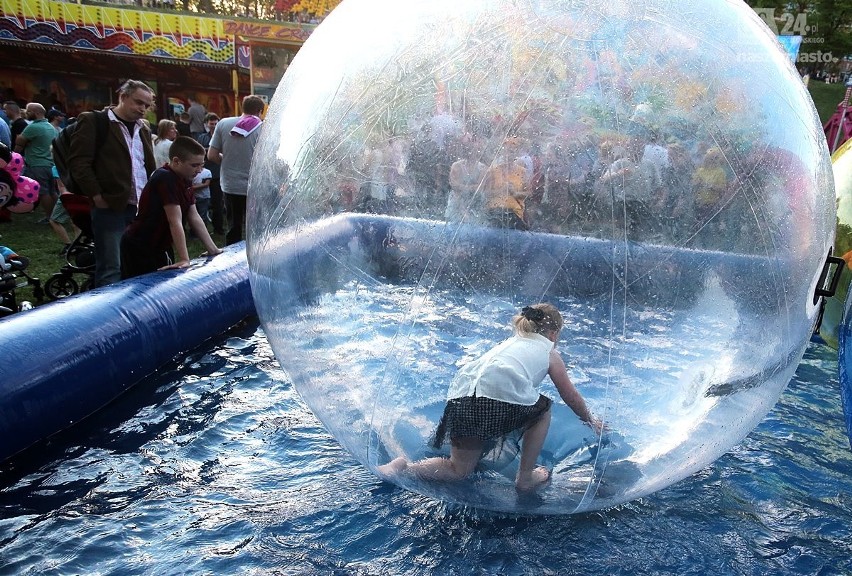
(216, 466)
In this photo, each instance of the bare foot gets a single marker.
(533, 479)
(393, 467)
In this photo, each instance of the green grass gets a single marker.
(38, 242)
(826, 97)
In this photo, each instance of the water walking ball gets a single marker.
(656, 170)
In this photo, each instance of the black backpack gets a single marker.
(62, 149)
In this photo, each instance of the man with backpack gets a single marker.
(110, 158)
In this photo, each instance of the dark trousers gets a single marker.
(236, 206)
(138, 258)
(107, 228)
(217, 206)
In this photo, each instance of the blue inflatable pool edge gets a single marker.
(70, 358)
(844, 364)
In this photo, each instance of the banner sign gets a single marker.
(294, 33)
(116, 30)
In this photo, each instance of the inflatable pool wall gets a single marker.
(844, 362)
(70, 358)
(512, 263)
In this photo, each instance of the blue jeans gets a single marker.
(108, 227)
(203, 207)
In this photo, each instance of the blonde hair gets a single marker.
(163, 127)
(538, 318)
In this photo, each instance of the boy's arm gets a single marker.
(569, 394)
(174, 216)
(196, 224)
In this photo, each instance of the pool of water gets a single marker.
(677, 387)
(216, 466)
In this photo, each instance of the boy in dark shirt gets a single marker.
(166, 203)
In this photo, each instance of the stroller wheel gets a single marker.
(60, 286)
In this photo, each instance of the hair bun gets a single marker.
(534, 314)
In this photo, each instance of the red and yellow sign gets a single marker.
(253, 31)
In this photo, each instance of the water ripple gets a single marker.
(215, 466)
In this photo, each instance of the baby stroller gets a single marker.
(80, 256)
(13, 275)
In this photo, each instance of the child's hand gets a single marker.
(212, 253)
(596, 425)
(176, 266)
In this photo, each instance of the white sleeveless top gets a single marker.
(508, 372)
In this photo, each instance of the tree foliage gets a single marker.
(826, 25)
(297, 10)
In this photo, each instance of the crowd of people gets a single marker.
(149, 191)
(638, 183)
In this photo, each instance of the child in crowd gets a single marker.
(166, 203)
(710, 184)
(495, 395)
(506, 187)
(201, 188)
(166, 134)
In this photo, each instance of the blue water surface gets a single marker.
(215, 466)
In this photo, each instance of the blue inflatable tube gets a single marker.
(70, 358)
(844, 361)
(319, 258)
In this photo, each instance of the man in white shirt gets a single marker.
(111, 158)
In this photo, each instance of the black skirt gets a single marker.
(486, 419)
